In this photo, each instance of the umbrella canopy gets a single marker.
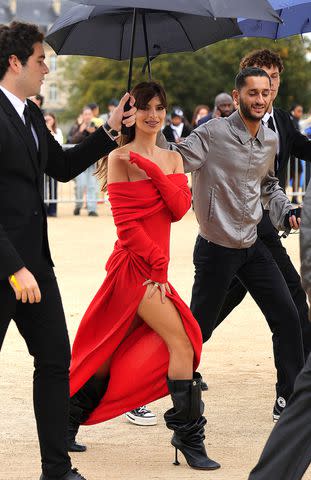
(104, 32)
(295, 15)
(259, 9)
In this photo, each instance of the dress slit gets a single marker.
(139, 365)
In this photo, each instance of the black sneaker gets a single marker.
(278, 408)
(76, 211)
(71, 475)
(142, 416)
(93, 214)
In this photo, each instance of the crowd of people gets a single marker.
(238, 155)
(176, 128)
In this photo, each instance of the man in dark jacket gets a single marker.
(28, 289)
(291, 141)
(177, 130)
(287, 453)
(223, 108)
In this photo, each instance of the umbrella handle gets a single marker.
(148, 59)
(126, 130)
(134, 21)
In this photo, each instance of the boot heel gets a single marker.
(187, 421)
(176, 457)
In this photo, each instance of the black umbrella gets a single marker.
(254, 9)
(125, 33)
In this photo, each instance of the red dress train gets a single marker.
(143, 212)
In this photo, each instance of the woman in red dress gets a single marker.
(138, 341)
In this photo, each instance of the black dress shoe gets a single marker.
(76, 447)
(204, 386)
(71, 475)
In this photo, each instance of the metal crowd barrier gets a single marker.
(298, 177)
(59, 192)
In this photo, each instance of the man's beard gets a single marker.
(225, 114)
(246, 111)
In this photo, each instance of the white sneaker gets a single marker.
(141, 416)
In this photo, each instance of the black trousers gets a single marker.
(237, 290)
(51, 188)
(287, 453)
(215, 268)
(43, 327)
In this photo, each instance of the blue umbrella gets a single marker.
(295, 15)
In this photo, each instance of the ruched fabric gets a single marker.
(143, 212)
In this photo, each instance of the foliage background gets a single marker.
(189, 78)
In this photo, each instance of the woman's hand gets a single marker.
(164, 287)
(148, 166)
(125, 157)
(134, 160)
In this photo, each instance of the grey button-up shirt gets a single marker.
(232, 174)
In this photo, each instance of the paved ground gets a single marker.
(237, 363)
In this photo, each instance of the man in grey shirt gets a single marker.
(287, 453)
(232, 160)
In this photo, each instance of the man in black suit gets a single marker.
(287, 453)
(291, 141)
(31, 297)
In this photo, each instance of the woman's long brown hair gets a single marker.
(143, 93)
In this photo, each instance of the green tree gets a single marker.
(191, 78)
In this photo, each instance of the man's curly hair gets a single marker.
(262, 58)
(17, 39)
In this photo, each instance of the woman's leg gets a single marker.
(185, 418)
(164, 319)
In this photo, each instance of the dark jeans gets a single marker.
(43, 327)
(215, 268)
(237, 290)
(287, 453)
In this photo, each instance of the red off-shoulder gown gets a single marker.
(143, 212)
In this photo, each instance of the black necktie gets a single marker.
(271, 123)
(272, 126)
(28, 127)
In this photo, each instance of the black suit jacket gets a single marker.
(292, 142)
(23, 224)
(169, 133)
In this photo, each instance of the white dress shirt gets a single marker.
(265, 120)
(19, 106)
(177, 130)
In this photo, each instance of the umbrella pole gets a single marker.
(147, 47)
(129, 84)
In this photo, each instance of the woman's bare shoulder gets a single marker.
(117, 151)
(117, 166)
(174, 158)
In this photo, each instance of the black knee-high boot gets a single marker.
(81, 406)
(187, 421)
